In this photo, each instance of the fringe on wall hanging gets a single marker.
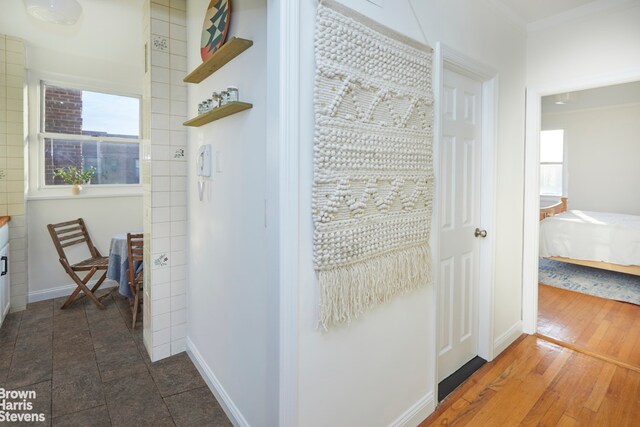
(373, 172)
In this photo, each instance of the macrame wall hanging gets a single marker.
(373, 174)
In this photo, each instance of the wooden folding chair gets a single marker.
(71, 233)
(135, 248)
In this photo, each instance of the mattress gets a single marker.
(592, 236)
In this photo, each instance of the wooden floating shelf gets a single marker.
(226, 53)
(218, 113)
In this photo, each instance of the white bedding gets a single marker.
(592, 236)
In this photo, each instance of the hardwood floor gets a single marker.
(593, 380)
(605, 327)
(535, 382)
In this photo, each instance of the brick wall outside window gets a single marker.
(62, 114)
(63, 110)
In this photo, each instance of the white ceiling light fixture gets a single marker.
(562, 98)
(64, 12)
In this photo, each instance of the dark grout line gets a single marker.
(81, 410)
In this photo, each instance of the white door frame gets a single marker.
(446, 57)
(531, 238)
(284, 42)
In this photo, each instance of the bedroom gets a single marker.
(589, 146)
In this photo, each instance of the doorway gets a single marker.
(463, 243)
(532, 186)
(590, 137)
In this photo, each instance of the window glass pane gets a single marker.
(552, 146)
(110, 115)
(115, 163)
(551, 180)
(81, 112)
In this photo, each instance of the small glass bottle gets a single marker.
(224, 95)
(234, 95)
(201, 108)
(209, 104)
(216, 99)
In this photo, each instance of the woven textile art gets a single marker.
(373, 175)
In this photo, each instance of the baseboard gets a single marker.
(503, 341)
(63, 291)
(417, 413)
(215, 386)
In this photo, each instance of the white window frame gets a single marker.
(564, 163)
(36, 188)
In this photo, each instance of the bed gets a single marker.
(596, 239)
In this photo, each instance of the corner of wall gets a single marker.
(505, 340)
(221, 395)
(164, 170)
(417, 413)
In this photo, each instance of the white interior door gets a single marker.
(460, 179)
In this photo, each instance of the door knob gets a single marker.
(480, 233)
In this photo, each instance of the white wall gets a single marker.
(381, 366)
(103, 49)
(12, 82)
(603, 148)
(591, 51)
(228, 289)
(601, 47)
(47, 279)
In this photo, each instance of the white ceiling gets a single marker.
(602, 97)
(107, 36)
(535, 10)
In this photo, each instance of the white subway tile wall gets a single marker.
(165, 196)
(12, 177)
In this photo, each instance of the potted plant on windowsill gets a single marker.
(76, 177)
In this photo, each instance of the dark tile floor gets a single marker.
(88, 368)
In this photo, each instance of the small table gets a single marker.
(118, 269)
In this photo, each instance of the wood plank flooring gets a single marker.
(536, 382)
(541, 383)
(602, 326)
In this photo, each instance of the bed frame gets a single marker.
(552, 210)
(560, 207)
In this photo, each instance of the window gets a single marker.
(88, 129)
(552, 162)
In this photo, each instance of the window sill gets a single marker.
(87, 193)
